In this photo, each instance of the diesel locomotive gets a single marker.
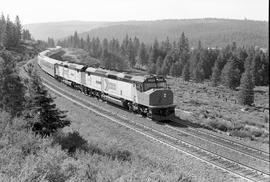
(147, 95)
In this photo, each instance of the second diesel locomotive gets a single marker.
(147, 95)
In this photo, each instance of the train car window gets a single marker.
(112, 77)
(149, 85)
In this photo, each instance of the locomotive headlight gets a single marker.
(165, 95)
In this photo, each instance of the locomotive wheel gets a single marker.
(130, 107)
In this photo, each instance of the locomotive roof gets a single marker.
(75, 66)
(119, 75)
(104, 72)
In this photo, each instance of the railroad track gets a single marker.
(223, 163)
(221, 141)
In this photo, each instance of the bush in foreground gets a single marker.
(41, 104)
(28, 157)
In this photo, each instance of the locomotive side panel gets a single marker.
(118, 88)
(94, 82)
(60, 71)
(74, 75)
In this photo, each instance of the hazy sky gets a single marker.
(33, 11)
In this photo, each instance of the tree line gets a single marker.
(178, 59)
(12, 32)
(231, 66)
(25, 97)
(28, 98)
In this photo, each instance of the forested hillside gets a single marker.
(17, 41)
(212, 32)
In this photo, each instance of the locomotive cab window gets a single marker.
(154, 83)
(139, 87)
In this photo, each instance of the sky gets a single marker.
(35, 11)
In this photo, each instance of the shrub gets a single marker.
(241, 133)
(70, 141)
(222, 125)
(121, 155)
(255, 131)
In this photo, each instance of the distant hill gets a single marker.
(58, 30)
(212, 32)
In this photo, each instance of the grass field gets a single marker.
(218, 108)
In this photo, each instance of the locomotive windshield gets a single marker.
(154, 83)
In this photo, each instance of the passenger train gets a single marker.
(147, 95)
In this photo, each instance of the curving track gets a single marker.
(244, 149)
(226, 164)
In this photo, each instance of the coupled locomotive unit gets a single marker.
(147, 95)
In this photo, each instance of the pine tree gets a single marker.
(2, 30)
(255, 65)
(18, 30)
(186, 73)
(198, 73)
(26, 35)
(142, 55)
(175, 69)
(50, 118)
(12, 89)
(166, 46)
(9, 34)
(246, 93)
(152, 68)
(107, 63)
(215, 75)
(183, 50)
(159, 66)
(167, 63)
(51, 42)
(131, 53)
(230, 75)
(197, 66)
(154, 53)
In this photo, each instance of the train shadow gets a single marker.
(180, 123)
(175, 122)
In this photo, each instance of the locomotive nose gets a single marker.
(161, 97)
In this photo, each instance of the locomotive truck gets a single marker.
(147, 95)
